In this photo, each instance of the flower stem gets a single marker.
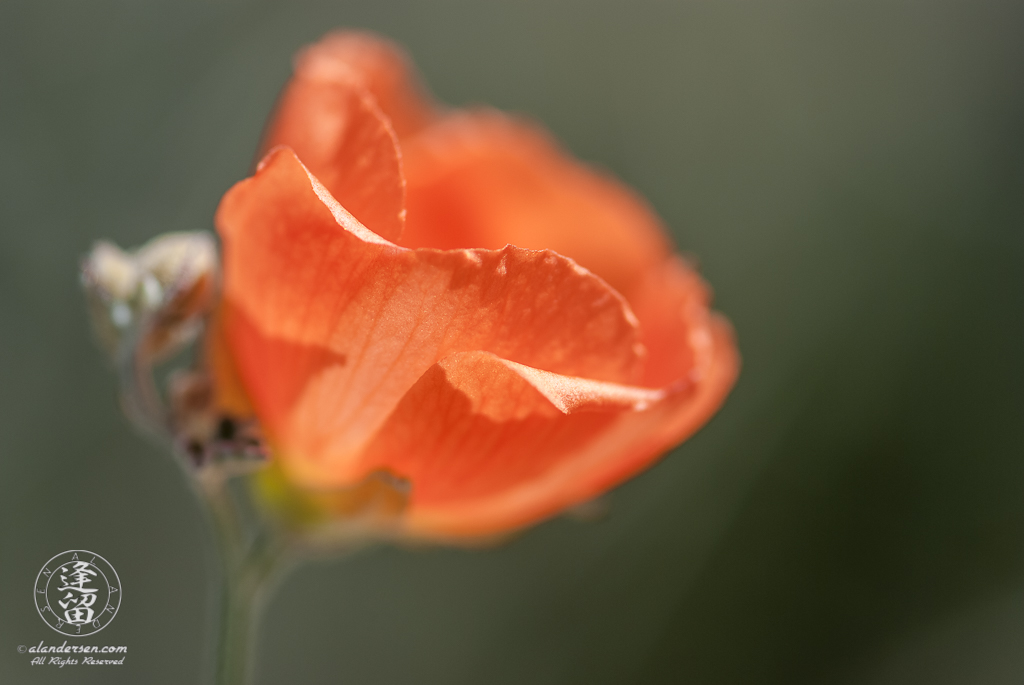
(236, 631)
(243, 595)
(250, 557)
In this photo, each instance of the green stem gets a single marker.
(243, 593)
(236, 631)
(250, 557)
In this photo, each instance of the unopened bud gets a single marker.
(152, 298)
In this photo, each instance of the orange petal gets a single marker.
(330, 325)
(378, 65)
(672, 303)
(489, 445)
(331, 115)
(230, 396)
(482, 179)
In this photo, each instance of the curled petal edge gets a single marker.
(575, 439)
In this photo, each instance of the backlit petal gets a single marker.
(672, 303)
(230, 396)
(330, 325)
(488, 445)
(378, 65)
(483, 179)
(332, 115)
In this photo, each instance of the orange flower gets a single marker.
(448, 298)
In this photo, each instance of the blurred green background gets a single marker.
(851, 177)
